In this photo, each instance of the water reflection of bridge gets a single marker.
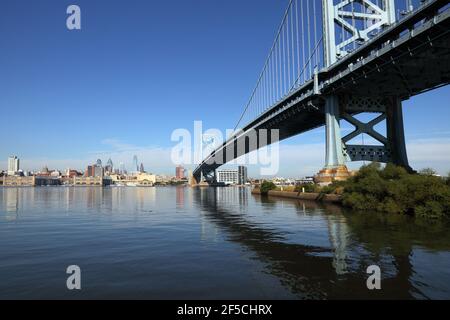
(315, 271)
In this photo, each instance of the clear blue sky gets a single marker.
(140, 69)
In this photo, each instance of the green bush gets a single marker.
(308, 187)
(266, 186)
(393, 190)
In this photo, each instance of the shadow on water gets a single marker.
(358, 241)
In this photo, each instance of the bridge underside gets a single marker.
(393, 67)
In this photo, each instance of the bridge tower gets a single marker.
(348, 24)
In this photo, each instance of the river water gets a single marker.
(224, 243)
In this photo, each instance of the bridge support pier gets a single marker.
(335, 168)
(392, 146)
(396, 134)
(334, 153)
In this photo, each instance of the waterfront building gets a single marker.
(227, 176)
(98, 181)
(47, 181)
(13, 165)
(242, 175)
(16, 181)
(146, 178)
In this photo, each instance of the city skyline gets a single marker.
(59, 84)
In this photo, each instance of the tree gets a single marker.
(393, 190)
(266, 186)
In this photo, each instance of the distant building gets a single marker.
(227, 176)
(13, 165)
(73, 173)
(89, 171)
(95, 170)
(146, 179)
(305, 180)
(122, 169)
(15, 181)
(109, 168)
(44, 172)
(91, 181)
(98, 171)
(135, 163)
(141, 168)
(242, 175)
(55, 173)
(179, 173)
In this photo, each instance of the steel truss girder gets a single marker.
(354, 105)
(393, 148)
(368, 153)
(335, 15)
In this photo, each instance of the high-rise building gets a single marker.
(242, 175)
(95, 170)
(13, 165)
(89, 171)
(122, 169)
(227, 176)
(141, 168)
(98, 171)
(109, 168)
(179, 172)
(135, 163)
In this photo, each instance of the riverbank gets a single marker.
(331, 198)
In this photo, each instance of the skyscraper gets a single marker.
(13, 165)
(179, 172)
(109, 168)
(122, 168)
(141, 168)
(135, 163)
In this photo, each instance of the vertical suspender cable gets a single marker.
(309, 36)
(288, 54)
(292, 45)
(297, 42)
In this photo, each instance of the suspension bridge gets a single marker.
(336, 59)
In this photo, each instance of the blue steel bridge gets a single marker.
(335, 59)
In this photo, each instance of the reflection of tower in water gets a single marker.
(180, 196)
(338, 234)
(11, 200)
